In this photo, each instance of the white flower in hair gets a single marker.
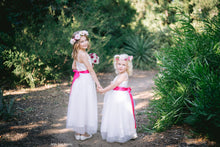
(77, 36)
(72, 41)
(84, 33)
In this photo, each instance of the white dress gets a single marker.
(82, 107)
(118, 123)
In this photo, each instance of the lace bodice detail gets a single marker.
(81, 66)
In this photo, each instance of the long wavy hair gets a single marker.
(76, 45)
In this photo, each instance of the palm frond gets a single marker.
(141, 48)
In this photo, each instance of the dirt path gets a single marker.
(42, 118)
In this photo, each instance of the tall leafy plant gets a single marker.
(188, 85)
(141, 47)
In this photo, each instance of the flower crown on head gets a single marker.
(78, 35)
(129, 58)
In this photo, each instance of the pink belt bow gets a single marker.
(76, 75)
(132, 101)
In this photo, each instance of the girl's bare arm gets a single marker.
(119, 80)
(85, 60)
(74, 65)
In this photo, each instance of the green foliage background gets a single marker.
(35, 35)
(178, 37)
(187, 87)
(38, 49)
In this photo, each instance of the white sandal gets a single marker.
(134, 137)
(84, 137)
(77, 137)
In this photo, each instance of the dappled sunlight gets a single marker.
(141, 105)
(62, 119)
(138, 76)
(29, 90)
(67, 90)
(54, 131)
(30, 125)
(144, 95)
(142, 99)
(57, 125)
(50, 106)
(51, 102)
(14, 136)
(153, 138)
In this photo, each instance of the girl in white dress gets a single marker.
(82, 107)
(118, 120)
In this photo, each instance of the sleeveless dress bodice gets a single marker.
(123, 84)
(81, 66)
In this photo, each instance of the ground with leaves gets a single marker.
(41, 118)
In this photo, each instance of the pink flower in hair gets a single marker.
(130, 58)
(72, 41)
(77, 36)
(117, 57)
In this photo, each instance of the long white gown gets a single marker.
(82, 108)
(118, 123)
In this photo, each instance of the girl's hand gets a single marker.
(101, 90)
(99, 86)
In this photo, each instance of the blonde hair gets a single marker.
(124, 57)
(76, 44)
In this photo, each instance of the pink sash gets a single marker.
(76, 75)
(132, 101)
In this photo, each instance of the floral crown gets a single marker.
(78, 35)
(129, 58)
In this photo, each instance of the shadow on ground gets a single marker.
(41, 118)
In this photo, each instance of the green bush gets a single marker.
(39, 50)
(187, 87)
(38, 57)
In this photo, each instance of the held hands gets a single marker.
(99, 86)
(100, 89)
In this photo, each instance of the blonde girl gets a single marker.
(118, 118)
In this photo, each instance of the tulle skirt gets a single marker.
(118, 124)
(82, 107)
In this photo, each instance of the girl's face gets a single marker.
(83, 43)
(121, 66)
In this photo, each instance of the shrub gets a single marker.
(38, 57)
(187, 87)
(39, 50)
